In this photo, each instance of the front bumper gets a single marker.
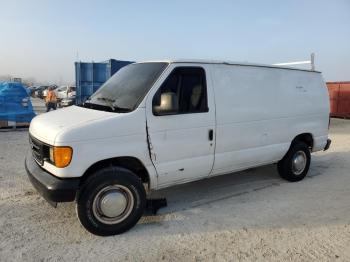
(53, 189)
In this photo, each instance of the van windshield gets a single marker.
(125, 89)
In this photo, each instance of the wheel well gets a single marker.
(305, 138)
(131, 163)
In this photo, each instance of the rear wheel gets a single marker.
(111, 201)
(295, 164)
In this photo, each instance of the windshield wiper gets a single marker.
(108, 101)
(111, 103)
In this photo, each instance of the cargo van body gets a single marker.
(187, 120)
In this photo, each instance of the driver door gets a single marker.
(181, 125)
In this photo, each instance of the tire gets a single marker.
(111, 201)
(292, 166)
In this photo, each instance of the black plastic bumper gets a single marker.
(328, 144)
(53, 189)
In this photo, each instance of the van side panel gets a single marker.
(259, 111)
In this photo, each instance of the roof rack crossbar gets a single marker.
(311, 62)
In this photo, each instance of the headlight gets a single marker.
(61, 156)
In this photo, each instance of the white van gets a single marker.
(157, 124)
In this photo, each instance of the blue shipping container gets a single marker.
(90, 76)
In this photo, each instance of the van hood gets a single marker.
(46, 127)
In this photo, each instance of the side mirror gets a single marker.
(168, 104)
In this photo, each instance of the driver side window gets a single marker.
(183, 92)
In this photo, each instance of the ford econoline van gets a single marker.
(157, 124)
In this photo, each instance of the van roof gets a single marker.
(200, 61)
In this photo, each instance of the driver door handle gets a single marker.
(211, 135)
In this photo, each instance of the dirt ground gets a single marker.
(251, 215)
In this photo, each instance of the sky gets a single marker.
(43, 38)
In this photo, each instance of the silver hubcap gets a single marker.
(113, 204)
(299, 162)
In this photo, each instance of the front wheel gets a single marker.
(295, 164)
(111, 201)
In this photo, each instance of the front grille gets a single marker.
(37, 149)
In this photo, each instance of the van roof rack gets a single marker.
(311, 62)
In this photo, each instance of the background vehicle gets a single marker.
(72, 91)
(68, 101)
(66, 94)
(61, 92)
(64, 91)
(157, 124)
(29, 90)
(39, 91)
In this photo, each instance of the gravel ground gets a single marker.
(38, 105)
(252, 215)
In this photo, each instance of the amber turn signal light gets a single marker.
(62, 156)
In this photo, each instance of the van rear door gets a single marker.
(181, 124)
